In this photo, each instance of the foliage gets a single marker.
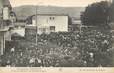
(96, 14)
(112, 11)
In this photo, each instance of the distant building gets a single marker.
(76, 25)
(47, 23)
(19, 28)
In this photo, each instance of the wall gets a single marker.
(60, 22)
(4, 30)
(2, 43)
(1, 6)
(19, 30)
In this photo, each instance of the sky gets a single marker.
(64, 3)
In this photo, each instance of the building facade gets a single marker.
(47, 23)
(19, 28)
(5, 23)
(76, 25)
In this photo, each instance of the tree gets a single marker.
(96, 14)
(96, 42)
(112, 11)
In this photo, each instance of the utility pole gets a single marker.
(36, 27)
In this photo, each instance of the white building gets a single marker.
(47, 23)
(19, 28)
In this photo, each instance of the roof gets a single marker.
(19, 24)
(6, 3)
(51, 15)
(76, 22)
(17, 34)
(48, 15)
(30, 27)
(4, 30)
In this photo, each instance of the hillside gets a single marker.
(23, 12)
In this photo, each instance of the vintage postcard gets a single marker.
(56, 36)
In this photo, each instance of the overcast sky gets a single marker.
(70, 3)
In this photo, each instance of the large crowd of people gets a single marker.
(88, 48)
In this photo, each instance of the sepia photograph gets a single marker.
(56, 33)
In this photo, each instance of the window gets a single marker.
(6, 13)
(52, 18)
(52, 28)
